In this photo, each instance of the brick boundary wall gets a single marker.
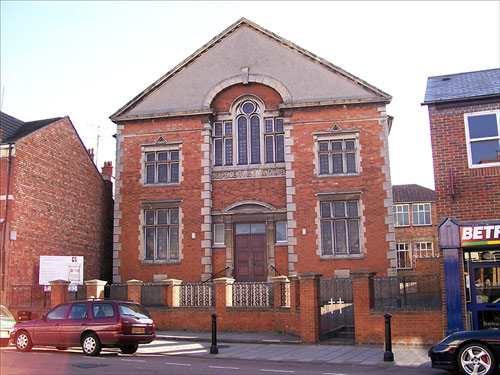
(302, 318)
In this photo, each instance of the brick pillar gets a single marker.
(363, 295)
(95, 288)
(310, 306)
(279, 282)
(223, 293)
(58, 292)
(134, 290)
(294, 292)
(172, 292)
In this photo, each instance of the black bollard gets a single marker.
(214, 349)
(388, 355)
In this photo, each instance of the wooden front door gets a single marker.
(250, 252)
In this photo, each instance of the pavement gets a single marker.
(271, 346)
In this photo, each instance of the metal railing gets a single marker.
(253, 294)
(285, 294)
(413, 292)
(117, 291)
(197, 294)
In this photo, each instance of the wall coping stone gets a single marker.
(134, 282)
(95, 282)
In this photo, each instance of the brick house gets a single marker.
(415, 227)
(464, 113)
(54, 202)
(253, 158)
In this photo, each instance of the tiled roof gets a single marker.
(14, 129)
(412, 193)
(463, 86)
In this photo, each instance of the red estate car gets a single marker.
(90, 324)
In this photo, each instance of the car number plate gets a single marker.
(138, 330)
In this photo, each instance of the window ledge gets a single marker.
(162, 185)
(422, 225)
(219, 246)
(339, 175)
(284, 243)
(149, 262)
(342, 256)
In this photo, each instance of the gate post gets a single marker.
(364, 328)
(294, 292)
(134, 290)
(95, 288)
(310, 306)
(58, 292)
(171, 292)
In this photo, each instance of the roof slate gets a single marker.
(462, 86)
(412, 193)
(14, 129)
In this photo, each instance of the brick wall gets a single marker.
(61, 205)
(477, 191)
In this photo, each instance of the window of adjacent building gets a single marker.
(482, 130)
(403, 255)
(161, 234)
(421, 213)
(251, 139)
(281, 231)
(340, 228)
(337, 156)
(424, 250)
(162, 167)
(401, 215)
(218, 234)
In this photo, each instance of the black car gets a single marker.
(470, 352)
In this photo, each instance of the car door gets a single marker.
(74, 324)
(103, 320)
(48, 331)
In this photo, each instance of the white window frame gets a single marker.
(220, 243)
(282, 241)
(415, 210)
(396, 213)
(420, 250)
(403, 247)
(469, 141)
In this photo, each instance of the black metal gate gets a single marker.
(337, 310)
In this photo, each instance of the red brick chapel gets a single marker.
(253, 158)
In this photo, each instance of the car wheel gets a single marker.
(129, 349)
(23, 342)
(476, 359)
(61, 348)
(91, 344)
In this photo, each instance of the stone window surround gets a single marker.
(161, 146)
(151, 205)
(336, 133)
(341, 196)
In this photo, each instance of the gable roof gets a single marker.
(412, 193)
(471, 85)
(14, 129)
(246, 52)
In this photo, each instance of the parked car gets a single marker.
(470, 352)
(92, 324)
(7, 322)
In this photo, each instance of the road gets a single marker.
(155, 358)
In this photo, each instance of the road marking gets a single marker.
(226, 368)
(177, 364)
(133, 360)
(286, 371)
(332, 373)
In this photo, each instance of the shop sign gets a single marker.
(480, 235)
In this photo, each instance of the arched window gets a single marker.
(257, 139)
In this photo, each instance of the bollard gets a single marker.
(213, 348)
(388, 355)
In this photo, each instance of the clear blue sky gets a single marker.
(87, 59)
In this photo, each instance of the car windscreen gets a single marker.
(4, 313)
(134, 310)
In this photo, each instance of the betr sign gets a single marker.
(480, 235)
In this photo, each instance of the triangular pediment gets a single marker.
(245, 53)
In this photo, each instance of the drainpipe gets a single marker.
(4, 224)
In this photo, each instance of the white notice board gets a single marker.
(66, 268)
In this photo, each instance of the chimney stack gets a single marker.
(107, 170)
(91, 153)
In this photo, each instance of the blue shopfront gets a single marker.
(471, 260)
